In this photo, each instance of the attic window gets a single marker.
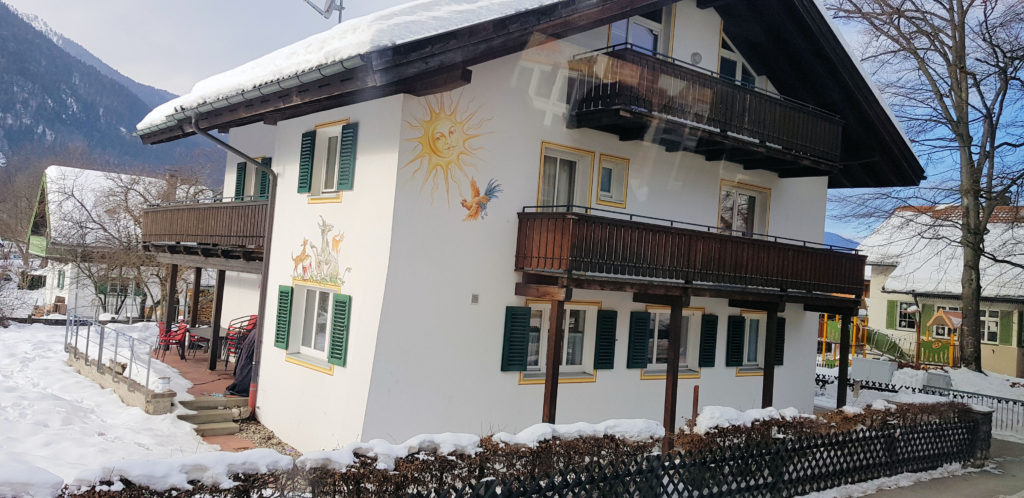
(644, 32)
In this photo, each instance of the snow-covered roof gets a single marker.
(923, 249)
(300, 61)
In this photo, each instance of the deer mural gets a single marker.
(326, 262)
(303, 260)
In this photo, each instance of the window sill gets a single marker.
(331, 198)
(306, 361)
(612, 203)
(532, 378)
(659, 373)
(749, 372)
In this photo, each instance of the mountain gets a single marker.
(834, 239)
(152, 96)
(58, 108)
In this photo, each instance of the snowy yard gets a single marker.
(53, 418)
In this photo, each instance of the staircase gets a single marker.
(214, 415)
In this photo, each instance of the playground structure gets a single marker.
(828, 339)
(866, 341)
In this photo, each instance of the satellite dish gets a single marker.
(329, 8)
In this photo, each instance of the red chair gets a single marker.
(238, 331)
(195, 343)
(175, 336)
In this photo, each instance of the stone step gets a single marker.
(212, 402)
(208, 416)
(217, 429)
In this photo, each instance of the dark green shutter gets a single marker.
(284, 315)
(306, 161)
(927, 312)
(347, 156)
(708, 340)
(240, 181)
(263, 189)
(892, 312)
(337, 353)
(734, 341)
(604, 342)
(1020, 329)
(516, 343)
(780, 341)
(1005, 328)
(639, 326)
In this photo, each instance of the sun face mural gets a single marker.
(319, 263)
(444, 149)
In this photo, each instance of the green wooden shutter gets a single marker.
(1020, 329)
(639, 326)
(892, 312)
(604, 341)
(734, 341)
(263, 189)
(284, 316)
(306, 149)
(347, 156)
(780, 341)
(516, 344)
(927, 312)
(708, 340)
(337, 352)
(240, 181)
(1005, 328)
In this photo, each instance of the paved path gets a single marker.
(1008, 480)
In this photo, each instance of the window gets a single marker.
(327, 157)
(316, 319)
(325, 160)
(579, 330)
(732, 67)
(989, 325)
(564, 176)
(906, 320)
(753, 342)
(943, 331)
(643, 31)
(658, 340)
(612, 178)
(742, 210)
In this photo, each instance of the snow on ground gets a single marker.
(633, 429)
(909, 377)
(713, 417)
(18, 478)
(989, 383)
(53, 418)
(896, 481)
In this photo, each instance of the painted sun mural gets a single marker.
(319, 262)
(444, 152)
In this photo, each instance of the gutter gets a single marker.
(268, 230)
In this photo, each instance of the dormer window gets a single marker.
(731, 66)
(643, 31)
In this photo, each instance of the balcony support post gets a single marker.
(218, 307)
(171, 297)
(197, 282)
(556, 332)
(675, 332)
(768, 381)
(844, 360)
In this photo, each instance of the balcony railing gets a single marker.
(572, 239)
(623, 77)
(238, 224)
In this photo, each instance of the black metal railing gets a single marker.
(627, 77)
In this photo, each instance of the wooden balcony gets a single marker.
(642, 96)
(180, 233)
(650, 249)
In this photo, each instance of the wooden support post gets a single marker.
(218, 307)
(675, 331)
(556, 332)
(768, 380)
(844, 361)
(197, 282)
(171, 297)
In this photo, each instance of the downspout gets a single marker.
(268, 238)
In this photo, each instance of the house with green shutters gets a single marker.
(913, 263)
(491, 213)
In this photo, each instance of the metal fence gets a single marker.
(110, 349)
(1008, 415)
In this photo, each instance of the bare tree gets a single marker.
(953, 71)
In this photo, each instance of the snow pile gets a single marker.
(147, 333)
(893, 482)
(713, 417)
(384, 28)
(18, 478)
(54, 418)
(386, 453)
(632, 429)
(989, 383)
(909, 377)
(881, 404)
(212, 469)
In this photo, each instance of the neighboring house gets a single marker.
(914, 258)
(450, 178)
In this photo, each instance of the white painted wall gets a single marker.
(241, 296)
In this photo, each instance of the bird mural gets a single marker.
(477, 203)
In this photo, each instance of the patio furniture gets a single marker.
(174, 336)
(238, 330)
(199, 338)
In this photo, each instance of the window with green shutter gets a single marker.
(639, 324)
(515, 345)
(708, 340)
(604, 341)
(780, 341)
(284, 315)
(263, 187)
(341, 313)
(306, 149)
(734, 341)
(347, 156)
(1005, 328)
(240, 181)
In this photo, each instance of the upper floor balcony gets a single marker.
(638, 95)
(207, 233)
(591, 243)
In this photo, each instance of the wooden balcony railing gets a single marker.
(627, 78)
(590, 245)
(239, 224)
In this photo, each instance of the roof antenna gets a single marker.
(330, 7)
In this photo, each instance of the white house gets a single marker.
(453, 176)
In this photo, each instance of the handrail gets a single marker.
(574, 208)
(95, 332)
(208, 200)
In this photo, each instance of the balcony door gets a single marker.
(742, 211)
(564, 177)
(643, 31)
